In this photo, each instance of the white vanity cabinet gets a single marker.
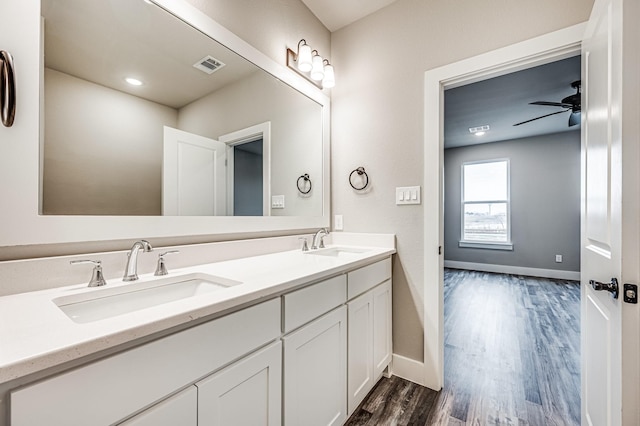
(112, 389)
(247, 393)
(303, 358)
(315, 355)
(369, 319)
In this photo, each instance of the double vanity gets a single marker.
(286, 338)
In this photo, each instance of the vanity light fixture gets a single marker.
(309, 64)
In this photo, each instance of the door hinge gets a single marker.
(439, 250)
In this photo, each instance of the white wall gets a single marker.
(377, 116)
(296, 133)
(119, 139)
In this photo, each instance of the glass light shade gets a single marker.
(304, 58)
(317, 72)
(329, 79)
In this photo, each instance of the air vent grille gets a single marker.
(208, 64)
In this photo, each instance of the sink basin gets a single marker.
(111, 302)
(337, 251)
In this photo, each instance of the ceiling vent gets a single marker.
(208, 64)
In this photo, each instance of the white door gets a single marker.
(193, 175)
(609, 215)
(315, 372)
(247, 393)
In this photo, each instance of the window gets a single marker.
(485, 205)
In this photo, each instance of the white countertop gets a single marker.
(35, 334)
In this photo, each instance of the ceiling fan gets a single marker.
(570, 103)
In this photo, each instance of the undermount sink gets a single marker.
(111, 302)
(338, 251)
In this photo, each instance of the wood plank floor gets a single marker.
(512, 357)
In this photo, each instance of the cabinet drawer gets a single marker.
(108, 390)
(368, 277)
(304, 305)
(180, 409)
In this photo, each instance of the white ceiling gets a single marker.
(335, 14)
(105, 42)
(503, 101)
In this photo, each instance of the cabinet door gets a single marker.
(315, 381)
(247, 393)
(382, 337)
(181, 409)
(360, 365)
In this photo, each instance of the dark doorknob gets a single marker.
(611, 287)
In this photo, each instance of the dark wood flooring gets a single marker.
(512, 357)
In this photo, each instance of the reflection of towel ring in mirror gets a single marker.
(360, 171)
(305, 178)
(7, 89)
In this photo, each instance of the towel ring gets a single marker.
(7, 89)
(360, 171)
(305, 178)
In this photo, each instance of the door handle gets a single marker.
(611, 287)
(7, 89)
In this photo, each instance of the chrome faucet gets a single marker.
(131, 271)
(317, 238)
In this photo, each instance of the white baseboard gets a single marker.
(516, 270)
(408, 369)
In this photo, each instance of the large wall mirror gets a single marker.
(199, 131)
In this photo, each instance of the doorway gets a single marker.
(247, 161)
(541, 50)
(249, 170)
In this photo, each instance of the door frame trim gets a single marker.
(540, 50)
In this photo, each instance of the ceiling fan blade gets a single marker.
(574, 118)
(558, 104)
(542, 116)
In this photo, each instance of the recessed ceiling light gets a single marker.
(133, 81)
(480, 130)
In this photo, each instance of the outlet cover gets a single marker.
(558, 258)
(337, 222)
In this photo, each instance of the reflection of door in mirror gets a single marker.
(193, 175)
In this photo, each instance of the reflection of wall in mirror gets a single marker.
(103, 149)
(296, 133)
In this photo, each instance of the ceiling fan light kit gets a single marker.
(479, 130)
(570, 103)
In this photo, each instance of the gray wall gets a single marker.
(247, 183)
(103, 150)
(545, 201)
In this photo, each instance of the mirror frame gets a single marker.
(20, 191)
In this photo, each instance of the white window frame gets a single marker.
(491, 245)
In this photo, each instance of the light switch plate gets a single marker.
(277, 201)
(408, 195)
